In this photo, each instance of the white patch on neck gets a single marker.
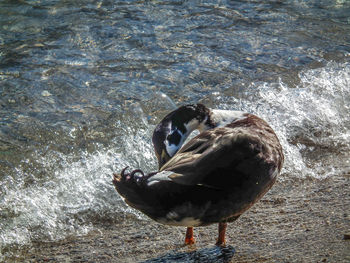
(173, 148)
(191, 126)
(224, 117)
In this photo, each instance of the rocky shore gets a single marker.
(299, 220)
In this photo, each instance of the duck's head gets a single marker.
(173, 130)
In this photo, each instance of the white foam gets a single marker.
(65, 202)
(311, 120)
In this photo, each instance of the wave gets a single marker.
(311, 120)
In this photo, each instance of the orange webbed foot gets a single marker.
(221, 239)
(189, 240)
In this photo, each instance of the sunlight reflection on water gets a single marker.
(83, 85)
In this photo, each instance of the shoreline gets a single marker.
(298, 220)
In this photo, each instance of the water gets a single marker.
(83, 85)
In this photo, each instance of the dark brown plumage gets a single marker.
(214, 178)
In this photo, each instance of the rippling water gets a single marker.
(83, 84)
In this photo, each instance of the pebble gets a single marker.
(45, 93)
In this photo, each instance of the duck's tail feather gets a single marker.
(132, 187)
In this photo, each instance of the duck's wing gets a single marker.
(223, 149)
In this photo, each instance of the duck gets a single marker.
(213, 178)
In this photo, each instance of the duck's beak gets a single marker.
(164, 158)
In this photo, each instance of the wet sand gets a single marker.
(299, 220)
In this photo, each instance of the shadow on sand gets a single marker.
(205, 255)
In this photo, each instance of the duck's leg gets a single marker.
(189, 240)
(221, 238)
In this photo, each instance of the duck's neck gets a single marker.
(174, 129)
